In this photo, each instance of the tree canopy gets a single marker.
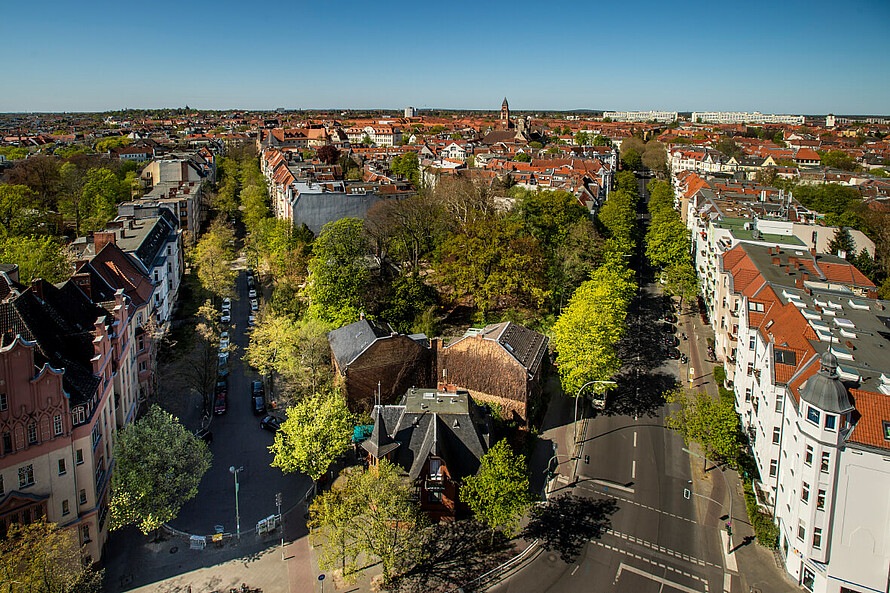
(338, 272)
(712, 423)
(499, 492)
(159, 465)
(317, 431)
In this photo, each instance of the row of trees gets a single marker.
(668, 245)
(587, 331)
(637, 155)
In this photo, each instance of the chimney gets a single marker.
(798, 283)
(13, 273)
(776, 261)
(101, 239)
(83, 282)
(787, 269)
(37, 287)
(805, 276)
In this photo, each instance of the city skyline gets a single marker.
(799, 59)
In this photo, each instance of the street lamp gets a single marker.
(729, 494)
(577, 397)
(234, 470)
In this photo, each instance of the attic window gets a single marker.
(886, 430)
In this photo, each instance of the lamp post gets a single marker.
(234, 470)
(729, 494)
(577, 397)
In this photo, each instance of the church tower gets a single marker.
(505, 114)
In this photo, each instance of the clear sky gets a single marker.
(778, 56)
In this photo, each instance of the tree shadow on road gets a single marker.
(452, 553)
(567, 522)
(639, 395)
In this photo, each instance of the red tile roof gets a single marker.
(875, 410)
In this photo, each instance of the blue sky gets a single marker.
(775, 57)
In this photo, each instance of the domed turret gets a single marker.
(824, 390)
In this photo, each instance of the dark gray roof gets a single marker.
(447, 425)
(380, 443)
(351, 340)
(825, 390)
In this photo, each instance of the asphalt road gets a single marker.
(657, 539)
(239, 441)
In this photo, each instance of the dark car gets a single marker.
(270, 423)
(673, 354)
(671, 340)
(259, 404)
(257, 388)
(220, 403)
(669, 317)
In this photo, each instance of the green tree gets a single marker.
(499, 492)
(297, 350)
(213, 257)
(37, 257)
(655, 157)
(317, 431)
(600, 140)
(102, 191)
(632, 160)
(20, 213)
(581, 138)
(407, 166)
(522, 157)
(41, 558)
(372, 515)
(158, 466)
(729, 147)
(712, 423)
(338, 274)
(490, 261)
(667, 241)
(591, 325)
(838, 159)
(842, 242)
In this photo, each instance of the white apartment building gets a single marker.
(744, 117)
(812, 388)
(642, 116)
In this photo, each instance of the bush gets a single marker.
(766, 531)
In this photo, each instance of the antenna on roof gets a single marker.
(378, 394)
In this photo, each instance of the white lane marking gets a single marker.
(606, 484)
(633, 502)
(656, 578)
(635, 438)
(633, 470)
(574, 570)
(656, 548)
(727, 582)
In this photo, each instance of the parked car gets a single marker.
(671, 340)
(259, 404)
(673, 353)
(251, 293)
(257, 388)
(270, 423)
(227, 303)
(250, 281)
(251, 319)
(223, 341)
(226, 317)
(254, 305)
(669, 317)
(219, 404)
(223, 368)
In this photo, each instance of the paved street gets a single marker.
(133, 561)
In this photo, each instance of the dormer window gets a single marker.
(886, 430)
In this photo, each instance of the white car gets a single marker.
(252, 293)
(254, 305)
(226, 317)
(251, 319)
(227, 304)
(224, 341)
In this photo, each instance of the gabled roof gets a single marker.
(349, 341)
(526, 346)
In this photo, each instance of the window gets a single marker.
(26, 476)
(57, 424)
(747, 394)
(808, 458)
(801, 530)
(777, 435)
(7, 443)
(779, 403)
(773, 468)
(805, 492)
(3, 402)
(785, 357)
(32, 434)
(813, 415)
(750, 368)
(97, 435)
(78, 456)
(435, 497)
(830, 420)
(752, 306)
(83, 496)
(824, 466)
(142, 367)
(817, 538)
(65, 509)
(887, 431)
(140, 342)
(79, 415)
(62, 466)
(85, 533)
(808, 578)
(752, 342)
(820, 500)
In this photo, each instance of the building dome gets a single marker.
(824, 390)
